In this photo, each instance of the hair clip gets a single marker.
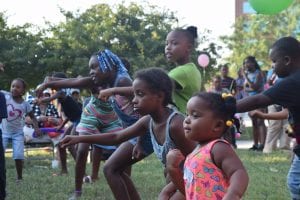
(229, 123)
(225, 95)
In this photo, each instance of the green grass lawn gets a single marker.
(267, 178)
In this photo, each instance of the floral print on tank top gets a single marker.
(202, 178)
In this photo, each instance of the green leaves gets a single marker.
(136, 32)
(254, 34)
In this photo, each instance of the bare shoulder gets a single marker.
(143, 122)
(176, 123)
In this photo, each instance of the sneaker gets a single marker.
(87, 179)
(260, 147)
(19, 181)
(253, 148)
(76, 195)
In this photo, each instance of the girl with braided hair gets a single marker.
(106, 71)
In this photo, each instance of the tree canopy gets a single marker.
(135, 32)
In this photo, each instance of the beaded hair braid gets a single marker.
(107, 60)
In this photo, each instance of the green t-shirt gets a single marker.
(187, 77)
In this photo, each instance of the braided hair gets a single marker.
(108, 60)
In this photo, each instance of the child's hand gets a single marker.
(53, 121)
(138, 151)
(42, 118)
(231, 197)
(256, 113)
(69, 140)
(105, 94)
(252, 113)
(175, 158)
(37, 132)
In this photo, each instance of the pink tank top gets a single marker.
(202, 178)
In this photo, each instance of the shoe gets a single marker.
(260, 147)
(19, 181)
(253, 148)
(87, 179)
(76, 195)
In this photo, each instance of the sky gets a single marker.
(214, 15)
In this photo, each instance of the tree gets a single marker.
(135, 32)
(19, 51)
(129, 31)
(254, 35)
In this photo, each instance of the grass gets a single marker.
(267, 178)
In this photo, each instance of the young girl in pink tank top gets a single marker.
(213, 170)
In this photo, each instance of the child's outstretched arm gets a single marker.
(83, 82)
(137, 129)
(106, 93)
(49, 99)
(227, 160)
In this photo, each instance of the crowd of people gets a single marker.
(192, 132)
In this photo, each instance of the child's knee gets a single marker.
(18, 154)
(107, 170)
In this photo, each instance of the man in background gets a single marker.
(226, 81)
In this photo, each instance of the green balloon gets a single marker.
(269, 6)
